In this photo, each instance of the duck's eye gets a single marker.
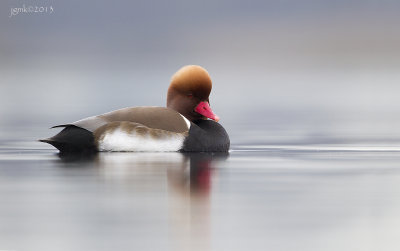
(190, 95)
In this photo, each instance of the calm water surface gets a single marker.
(257, 197)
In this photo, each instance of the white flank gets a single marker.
(121, 141)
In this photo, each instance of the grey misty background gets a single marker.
(283, 71)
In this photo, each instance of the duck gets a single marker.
(186, 124)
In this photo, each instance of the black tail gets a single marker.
(73, 139)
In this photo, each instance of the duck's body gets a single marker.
(181, 126)
(141, 129)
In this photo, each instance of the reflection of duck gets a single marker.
(182, 125)
(189, 185)
(190, 201)
(196, 179)
(188, 172)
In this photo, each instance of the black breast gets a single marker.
(206, 136)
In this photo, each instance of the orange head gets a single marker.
(189, 93)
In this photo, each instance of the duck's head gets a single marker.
(189, 93)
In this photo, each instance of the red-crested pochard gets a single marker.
(186, 124)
